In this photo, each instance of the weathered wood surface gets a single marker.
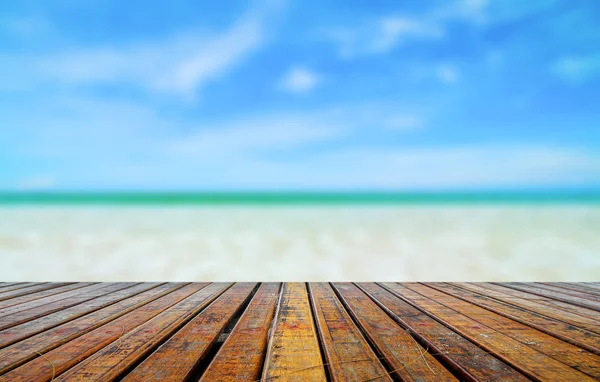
(299, 331)
(293, 352)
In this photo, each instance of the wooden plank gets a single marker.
(29, 301)
(549, 322)
(532, 352)
(468, 361)
(293, 351)
(585, 303)
(589, 285)
(114, 360)
(27, 349)
(349, 356)
(581, 287)
(525, 299)
(5, 284)
(26, 329)
(242, 354)
(23, 291)
(39, 311)
(191, 344)
(406, 357)
(59, 360)
(12, 286)
(548, 344)
(568, 291)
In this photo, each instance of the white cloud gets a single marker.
(447, 74)
(268, 133)
(131, 147)
(37, 182)
(180, 64)
(299, 80)
(394, 30)
(577, 69)
(381, 36)
(432, 168)
(401, 122)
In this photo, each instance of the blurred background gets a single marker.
(300, 140)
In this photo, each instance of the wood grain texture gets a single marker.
(27, 349)
(530, 351)
(577, 301)
(42, 310)
(470, 362)
(574, 333)
(242, 355)
(349, 357)
(581, 287)
(191, 344)
(405, 356)
(116, 359)
(527, 300)
(10, 286)
(7, 295)
(568, 291)
(17, 304)
(105, 298)
(297, 331)
(293, 352)
(55, 362)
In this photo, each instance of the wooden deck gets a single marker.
(301, 332)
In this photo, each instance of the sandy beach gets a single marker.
(406, 243)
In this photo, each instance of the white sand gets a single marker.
(405, 243)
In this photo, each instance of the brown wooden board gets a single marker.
(349, 356)
(116, 359)
(527, 300)
(55, 362)
(297, 331)
(29, 328)
(27, 349)
(567, 332)
(23, 291)
(404, 355)
(19, 304)
(581, 287)
(191, 344)
(530, 351)
(293, 351)
(242, 354)
(42, 310)
(567, 291)
(578, 301)
(12, 286)
(470, 362)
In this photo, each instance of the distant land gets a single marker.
(298, 197)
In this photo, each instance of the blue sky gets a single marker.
(386, 95)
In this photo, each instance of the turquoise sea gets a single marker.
(301, 198)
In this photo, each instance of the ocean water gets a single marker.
(405, 242)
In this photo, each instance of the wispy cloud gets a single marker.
(382, 36)
(391, 31)
(577, 69)
(299, 80)
(180, 64)
(448, 74)
(439, 168)
(259, 134)
(37, 182)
